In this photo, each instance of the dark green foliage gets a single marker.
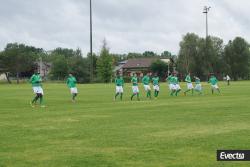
(237, 56)
(159, 67)
(19, 58)
(105, 64)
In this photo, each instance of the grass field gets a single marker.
(171, 131)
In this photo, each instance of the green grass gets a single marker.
(171, 131)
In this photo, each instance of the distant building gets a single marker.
(139, 66)
(118, 68)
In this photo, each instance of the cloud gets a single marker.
(127, 25)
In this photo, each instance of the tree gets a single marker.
(19, 58)
(149, 54)
(59, 69)
(237, 56)
(159, 67)
(105, 64)
(188, 52)
(166, 54)
(79, 67)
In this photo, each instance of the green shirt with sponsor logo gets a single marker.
(188, 79)
(175, 80)
(71, 82)
(155, 80)
(213, 80)
(146, 80)
(134, 81)
(169, 79)
(36, 80)
(119, 81)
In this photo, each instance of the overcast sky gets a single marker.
(127, 25)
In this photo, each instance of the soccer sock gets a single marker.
(116, 95)
(41, 99)
(172, 92)
(121, 96)
(138, 96)
(35, 99)
(176, 93)
(74, 96)
(212, 91)
(132, 96)
(149, 94)
(192, 91)
(155, 93)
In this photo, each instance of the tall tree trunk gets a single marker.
(7, 77)
(17, 77)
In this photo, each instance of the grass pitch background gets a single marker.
(171, 131)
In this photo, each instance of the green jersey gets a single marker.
(155, 80)
(169, 79)
(174, 80)
(71, 82)
(213, 80)
(146, 80)
(119, 81)
(134, 81)
(35, 80)
(197, 81)
(188, 79)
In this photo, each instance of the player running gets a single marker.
(198, 87)
(119, 82)
(189, 84)
(71, 82)
(135, 88)
(169, 80)
(146, 82)
(36, 80)
(156, 85)
(214, 83)
(176, 85)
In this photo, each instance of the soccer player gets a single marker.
(168, 80)
(135, 88)
(146, 82)
(176, 87)
(71, 82)
(36, 80)
(198, 87)
(189, 84)
(156, 86)
(214, 83)
(119, 82)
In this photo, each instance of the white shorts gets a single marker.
(38, 89)
(198, 87)
(135, 89)
(119, 89)
(73, 90)
(171, 86)
(190, 86)
(156, 87)
(147, 87)
(215, 86)
(176, 87)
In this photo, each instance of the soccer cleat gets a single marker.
(42, 106)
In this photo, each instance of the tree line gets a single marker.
(202, 56)
(197, 55)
